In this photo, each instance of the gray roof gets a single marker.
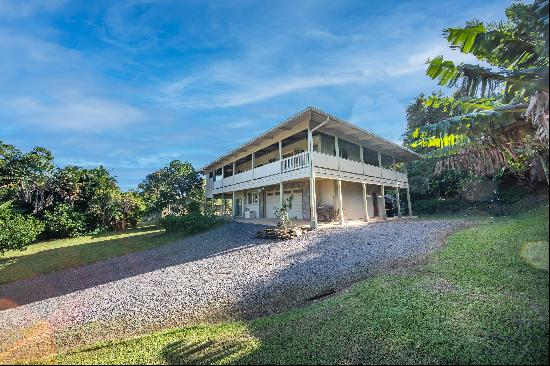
(335, 124)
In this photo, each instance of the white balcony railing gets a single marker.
(325, 161)
(242, 177)
(267, 170)
(303, 160)
(218, 184)
(351, 166)
(373, 171)
(295, 162)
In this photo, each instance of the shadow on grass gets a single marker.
(200, 353)
(32, 278)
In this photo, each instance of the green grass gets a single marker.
(55, 255)
(480, 300)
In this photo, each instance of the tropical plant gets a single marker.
(282, 213)
(189, 224)
(64, 221)
(26, 178)
(17, 230)
(177, 188)
(498, 106)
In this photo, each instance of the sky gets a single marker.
(134, 84)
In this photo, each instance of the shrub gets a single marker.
(17, 230)
(64, 221)
(189, 224)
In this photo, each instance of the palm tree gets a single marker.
(501, 106)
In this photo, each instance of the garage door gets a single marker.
(272, 201)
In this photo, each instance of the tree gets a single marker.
(177, 187)
(419, 115)
(26, 178)
(502, 109)
(17, 230)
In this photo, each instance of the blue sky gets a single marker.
(132, 85)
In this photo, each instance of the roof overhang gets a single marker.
(334, 125)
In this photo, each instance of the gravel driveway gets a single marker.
(221, 274)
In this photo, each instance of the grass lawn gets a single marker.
(54, 255)
(483, 299)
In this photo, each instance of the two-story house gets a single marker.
(333, 169)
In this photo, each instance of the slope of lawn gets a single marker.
(55, 255)
(483, 299)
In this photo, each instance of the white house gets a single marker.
(333, 169)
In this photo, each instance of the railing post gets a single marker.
(398, 201)
(337, 148)
(365, 202)
(312, 197)
(340, 201)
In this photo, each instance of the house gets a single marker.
(333, 169)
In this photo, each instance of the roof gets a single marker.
(335, 125)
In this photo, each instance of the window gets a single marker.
(387, 161)
(349, 150)
(252, 198)
(370, 156)
(324, 143)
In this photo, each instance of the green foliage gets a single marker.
(449, 183)
(17, 230)
(494, 109)
(282, 213)
(71, 200)
(177, 187)
(189, 224)
(64, 221)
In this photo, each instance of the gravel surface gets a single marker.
(221, 274)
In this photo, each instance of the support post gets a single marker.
(365, 203)
(383, 208)
(281, 194)
(281, 173)
(253, 163)
(223, 204)
(398, 202)
(409, 202)
(337, 148)
(312, 194)
(233, 211)
(340, 208)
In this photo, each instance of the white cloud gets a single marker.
(84, 113)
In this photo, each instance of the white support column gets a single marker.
(340, 208)
(362, 160)
(383, 205)
(398, 201)
(365, 203)
(337, 148)
(281, 194)
(409, 202)
(223, 203)
(312, 194)
(233, 212)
